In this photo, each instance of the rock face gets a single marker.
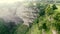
(18, 13)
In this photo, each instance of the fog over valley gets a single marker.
(16, 10)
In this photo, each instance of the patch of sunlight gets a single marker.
(58, 8)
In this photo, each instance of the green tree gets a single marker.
(54, 7)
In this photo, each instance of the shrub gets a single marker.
(54, 7)
(22, 29)
(3, 29)
(57, 17)
(42, 12)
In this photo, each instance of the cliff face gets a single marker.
(18, 13)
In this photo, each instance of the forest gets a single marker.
(46, 22)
